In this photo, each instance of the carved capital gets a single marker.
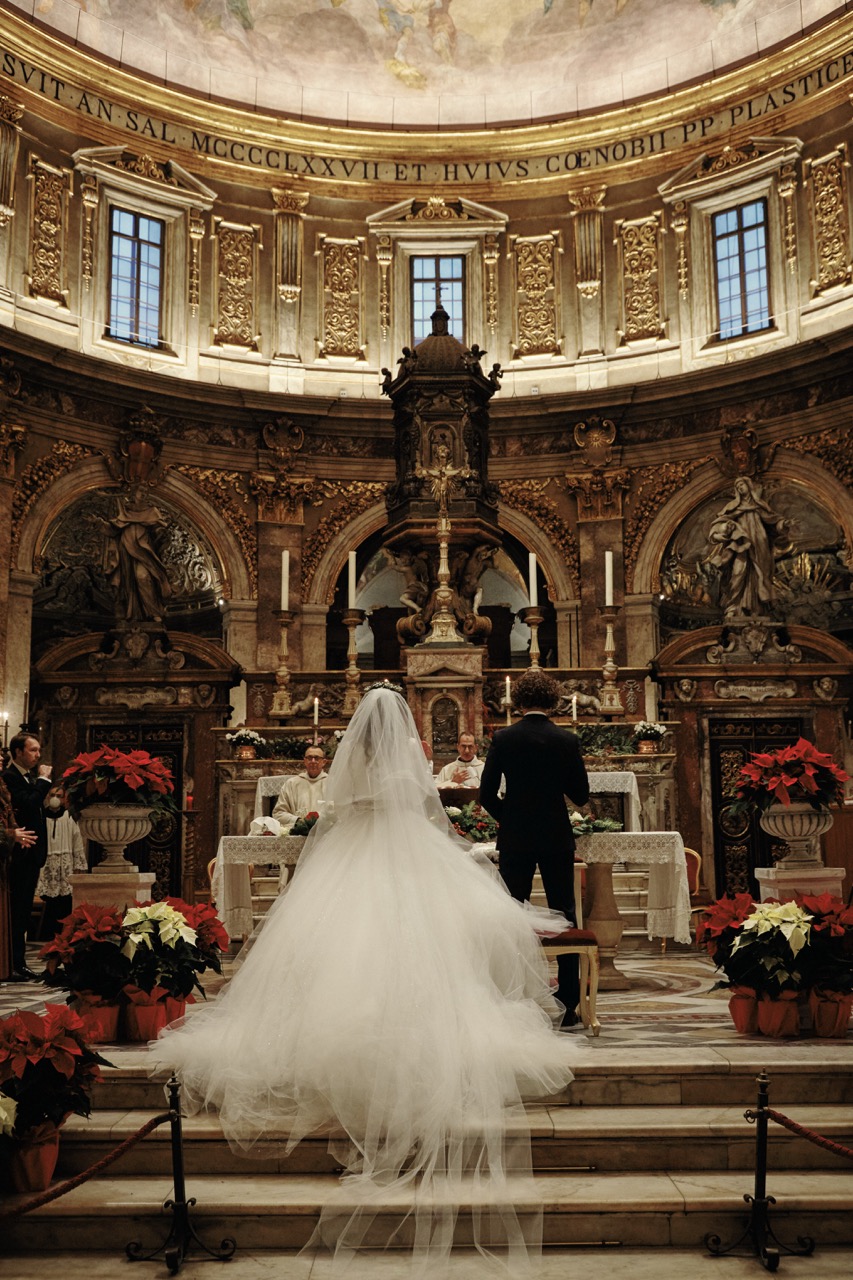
(12, 437)
(280, 497)
(599, 493)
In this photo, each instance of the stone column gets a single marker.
(240, 637)
(595, 537)
(642, 629)
(587, 217)
(568, 632)
(314, 636)
(18, 642)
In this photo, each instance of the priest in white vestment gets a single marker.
(303, 793)
(466, 769)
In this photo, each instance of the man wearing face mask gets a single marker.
(66, 853)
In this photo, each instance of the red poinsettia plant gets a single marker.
(85, 957)
(47, 1070)
(110, 776)
(795, 774)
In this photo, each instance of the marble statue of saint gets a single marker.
(138, 573)
(745, 540)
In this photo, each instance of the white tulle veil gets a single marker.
(395, 998)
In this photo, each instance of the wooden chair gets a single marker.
(583, 944)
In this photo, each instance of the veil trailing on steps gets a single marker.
(395, 998)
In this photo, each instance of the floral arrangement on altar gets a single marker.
(47, 1071)
(783, 952)
(303, 825)
(246, 738)
(109, 776)
(795, 774)
(586, 824)
(473, 822)
(648, 731)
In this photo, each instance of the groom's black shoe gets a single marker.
(570, 1019)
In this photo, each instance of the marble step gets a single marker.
(601, 1139)
(807, 1072)
(279, 1212)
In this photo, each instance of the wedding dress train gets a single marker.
(396, 995)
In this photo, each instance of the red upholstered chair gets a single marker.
(583, 944)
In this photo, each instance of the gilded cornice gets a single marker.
(225, 491)
(771, 94)
(37, 478)
(355, 496)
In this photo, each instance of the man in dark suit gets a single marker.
(28, 783)
(541, 765)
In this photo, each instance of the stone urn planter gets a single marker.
(115, 826)
(800, 826)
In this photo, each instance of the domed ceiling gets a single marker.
(428, 63)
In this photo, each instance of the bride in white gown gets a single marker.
(397, 996)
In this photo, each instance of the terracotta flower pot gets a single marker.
(145, 1021)
(830, 1012)
(32, 1160)
(779, 1016)
(743, 1007)
(245, 752)
(647, 747)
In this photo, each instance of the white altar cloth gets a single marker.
(622, 782)
(668, 905)
(231, 888)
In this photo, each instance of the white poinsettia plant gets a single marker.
(156, 923)
(787, 919)
(8, 1111)
(246, 738)
(650, 730)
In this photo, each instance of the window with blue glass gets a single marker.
(136, 277)
(740, 261)
(437, 279)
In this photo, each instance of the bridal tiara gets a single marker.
(385, 684)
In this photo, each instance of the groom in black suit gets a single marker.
(542, 765)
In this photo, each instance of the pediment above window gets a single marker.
(133, 171)
(732, 166)
(436, 215)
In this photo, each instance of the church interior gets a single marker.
(433, 341)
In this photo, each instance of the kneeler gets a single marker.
(584, 944)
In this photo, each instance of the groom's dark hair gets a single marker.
(536, 691)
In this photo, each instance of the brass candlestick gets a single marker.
(281, 704)
(611, 703)
(534, 618)
(352, 695)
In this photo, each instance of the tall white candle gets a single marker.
(532, 589)
(285, 578)
(508, 695)
(351, 583)
(574, 706)
(316, 710)
(608, 579)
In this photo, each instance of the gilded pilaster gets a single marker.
(10, 135)
(236, 271)
(47, 272)
(12, 436)
(826, 178)
(491, 256)
(290, 209)
(638, 246)
(195, 228)
(341, 266)
(536, 296)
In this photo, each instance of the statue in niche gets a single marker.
(744, 541)
(472, 568)
(414, 565)
(136, 570)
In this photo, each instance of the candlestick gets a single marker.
(532, 585)
(533, 618)
(352, 694)
(608, 579)
(351, 582)
(281, 704)
(285, 578)
(611, 703)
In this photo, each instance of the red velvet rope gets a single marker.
(809, 1134)
(53, 1193)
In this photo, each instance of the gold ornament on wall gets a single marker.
(529, 497)
(587, 224)
(639, 270)
(10, 134)
(342, 289)
(224, 489)
(491, 255)
(195, 229)
(827, 182)
(354, 497)
(536, 319)
(51, 188)
(680, 221)
(653, 488)
(237, 248)
(37, 478)
(384, 254)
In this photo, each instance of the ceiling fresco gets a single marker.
(430, 63)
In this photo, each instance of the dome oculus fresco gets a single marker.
(429, 62)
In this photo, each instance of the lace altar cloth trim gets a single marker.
(622, 782)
